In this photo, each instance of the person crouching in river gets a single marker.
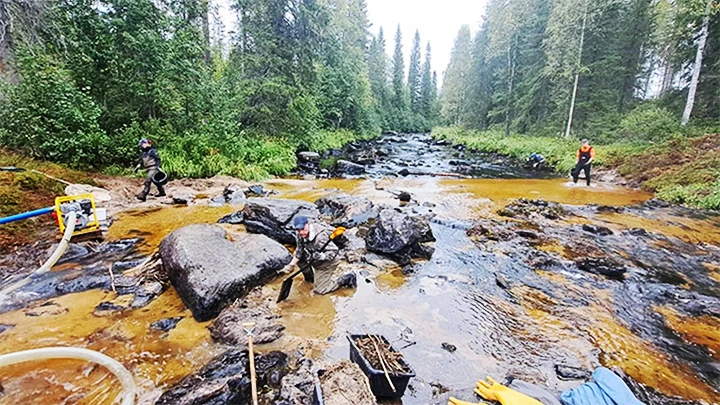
(585, 156)
(150, 161)
(324, 271)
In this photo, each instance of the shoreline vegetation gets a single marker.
(681, 170)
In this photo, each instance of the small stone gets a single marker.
(167, 324)
(404, 196)
(449, 347)
(235, 218)
(502, 281)
(4, 327)
(404, 172)
(526, 234)
(570, 373)
(597, 230)
(637, 232)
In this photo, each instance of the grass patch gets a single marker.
(559, 152)
(26, 191)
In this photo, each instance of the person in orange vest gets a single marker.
(585, 156)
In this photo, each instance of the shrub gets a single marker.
(648, 122)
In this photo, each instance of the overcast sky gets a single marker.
(437, 20)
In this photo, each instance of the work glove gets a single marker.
(455, 401)
(492, 391)
(319, 257)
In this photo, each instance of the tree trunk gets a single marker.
(698, 65)
(6, 45)
(205, 28)
(577, 75)
(511, 65)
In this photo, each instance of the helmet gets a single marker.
(142, 141)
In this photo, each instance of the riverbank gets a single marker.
(681, 171)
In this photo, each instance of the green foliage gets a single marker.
(48, 117)
(648, 122)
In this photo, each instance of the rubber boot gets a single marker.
(142, 197)
(161, 191)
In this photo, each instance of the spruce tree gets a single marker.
(426, 91)
(414, 76)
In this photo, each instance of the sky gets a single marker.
(437, 20)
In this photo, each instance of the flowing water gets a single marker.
(546, 317)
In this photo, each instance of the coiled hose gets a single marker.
(126, 379)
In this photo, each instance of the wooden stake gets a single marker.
(253, 380)
(382, 363)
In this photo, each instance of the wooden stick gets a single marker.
(51, 177)
(382, 363)
(253, 378)
(112, 278)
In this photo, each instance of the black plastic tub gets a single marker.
(378, 383)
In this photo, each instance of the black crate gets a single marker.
(378, 383)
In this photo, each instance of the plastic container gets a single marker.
(378, 383)
(160, 178)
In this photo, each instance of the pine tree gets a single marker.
(426, 90)
(414, 76)
(378, 72)
(453, 99)
(398, 76)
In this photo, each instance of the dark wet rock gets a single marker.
(228, 327)
(346, 210)
(527, 209)
(442, 142)
(234, 194)
(603, 266)
(297, 388)
(490, 230)
(346, 167)
(74, 251)
(609, 208)
(257, 190)
(656, 203)
(147, 292)
(183, 196)
(105, 308)
(4, 327)
(225, 380)
(503, 282)
(404, 172)
(637, 232)
(83, 283)
(167, 324)
(597, 229)
(209, 271)
(524, 233)
(449, 347)
(404, 196)
(571, 373)
(121, 266)
(235, 218)
(308, 156)
(400, 235)
(273, 217)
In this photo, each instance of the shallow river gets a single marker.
(549, 318)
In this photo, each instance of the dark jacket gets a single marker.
(319, 235)
(149, 159)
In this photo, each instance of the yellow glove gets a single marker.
(492, 391)
(455, 401)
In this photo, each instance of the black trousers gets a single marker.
(579, 168)
(148, 182)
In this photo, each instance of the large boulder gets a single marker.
(347, 167)
(346, 210)
(209, 271)
(227, 328)
(400, 235)
(273, 216)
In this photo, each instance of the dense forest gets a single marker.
(83, 81)
(612, 70)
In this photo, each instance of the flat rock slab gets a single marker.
(346, 210)
(273, 216)
(209, 271)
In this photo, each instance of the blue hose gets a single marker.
(26, 215)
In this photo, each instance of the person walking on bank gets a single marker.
(150, 161)
(585, 156)
(324, 272)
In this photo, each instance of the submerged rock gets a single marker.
(346, 167)
(400, 235)
(597, 229)
(209, 271)
(346, 210)
(526, 209)
(273, 217)
(4, 327)
(602, 266)
(167, 324)
(226, 380)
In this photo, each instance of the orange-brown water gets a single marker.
(491, 334)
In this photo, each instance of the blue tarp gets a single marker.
(606, 389)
